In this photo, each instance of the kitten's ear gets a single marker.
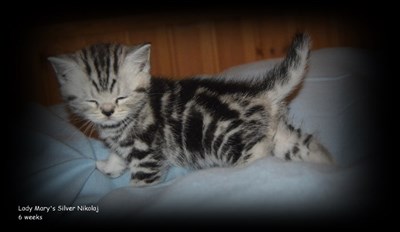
(62, 65)
(139, 57)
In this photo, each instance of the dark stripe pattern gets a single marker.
(102, 60)
(192, 132)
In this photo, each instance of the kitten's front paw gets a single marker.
(113, 167)
(101, 165)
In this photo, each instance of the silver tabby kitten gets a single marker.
(150, 123)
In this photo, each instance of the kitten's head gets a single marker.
(104, 83)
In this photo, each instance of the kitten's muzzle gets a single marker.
(107, 109)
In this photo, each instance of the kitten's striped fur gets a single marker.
(151, 123)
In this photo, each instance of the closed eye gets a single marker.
(140, 90)
(119, 99)
(93, 101)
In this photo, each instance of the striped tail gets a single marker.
(285, 76)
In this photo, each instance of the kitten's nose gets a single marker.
(107, 109)
(107, 113)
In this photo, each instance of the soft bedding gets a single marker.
(60, 160)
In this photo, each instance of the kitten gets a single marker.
(150, 123)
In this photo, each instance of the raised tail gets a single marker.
(285, 76)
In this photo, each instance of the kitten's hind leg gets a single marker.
(292, 144)
(114, 166)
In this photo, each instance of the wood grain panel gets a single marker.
(274, 36)
(153, 37)
(229, 43)
(208, 48)
(186, 50)
(184, 45)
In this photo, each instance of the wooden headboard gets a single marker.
(183, 44)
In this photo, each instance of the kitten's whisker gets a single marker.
(76, 131)
(92, 128)
(87, 128)
(84, 125)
